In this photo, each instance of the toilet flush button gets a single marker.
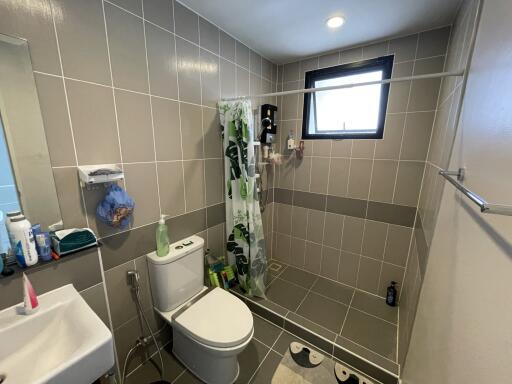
(187, 243)
(178, 247)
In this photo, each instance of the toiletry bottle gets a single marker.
(162, 238)
(8, 217)
(25, 246)
(5, 243)
(30, 302)
(391, 294)
(291, 141)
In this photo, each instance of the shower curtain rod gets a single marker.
(352, 85)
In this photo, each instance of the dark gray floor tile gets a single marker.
(250, 359)
(336, 291)
(310, 326)
(367, 354)
(299, 277)
(371, 332)
(363, 366)
(267, 310)
(286, 294)
(266, 371)
(187, 378)
(265, 331)
(149, 371)
(304, 333)
(325, 312)
(376, 306)
(283, 342)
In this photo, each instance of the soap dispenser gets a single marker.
(162, 238)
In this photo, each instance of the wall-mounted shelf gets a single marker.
(97, 174)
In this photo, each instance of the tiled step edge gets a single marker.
(277, 315)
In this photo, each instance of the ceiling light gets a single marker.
(335, 22)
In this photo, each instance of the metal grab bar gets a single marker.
(485, 207)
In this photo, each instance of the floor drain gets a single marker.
(274, 267)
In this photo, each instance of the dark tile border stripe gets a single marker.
(215, 215)
(421, 246)
(120, 248)
(365, 209)
(322, 343)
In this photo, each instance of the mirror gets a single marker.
(26, 177)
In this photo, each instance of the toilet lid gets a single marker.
(218, 319)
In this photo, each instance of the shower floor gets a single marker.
(359, 322)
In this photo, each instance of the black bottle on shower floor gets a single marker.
(391, 294)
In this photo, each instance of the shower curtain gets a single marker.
(244, 228)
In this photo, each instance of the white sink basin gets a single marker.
(63, 342)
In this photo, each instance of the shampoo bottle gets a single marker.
(24, 243)
(162, 238)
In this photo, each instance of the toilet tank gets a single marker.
(179, 275)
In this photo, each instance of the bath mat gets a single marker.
(293, 371)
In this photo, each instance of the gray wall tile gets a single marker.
(227, 46)
(127, 49)
(209, 36)
(94, 126)
(186, 23)
(69, 195)
(191, 131)
(210, 79)
(167, 129)
(82, 25)
(161, 52)
(194, 184)
(189, 74)
(37, 28)
(95, 298)
(141, 185)
(160, 12)
(171, 187)
(52, 102)
(135, 128)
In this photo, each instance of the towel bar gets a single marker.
(485, 207)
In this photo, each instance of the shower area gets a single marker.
(343, 219)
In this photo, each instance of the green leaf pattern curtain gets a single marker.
(244, 228)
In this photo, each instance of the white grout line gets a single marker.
(113, 91)
(384, 254)
(271, 349)
(107, 301)
(202, 120)
(346, 314)
(151, 112)
(67, 105)
(405, 120)
(179, 110)
(184, 38)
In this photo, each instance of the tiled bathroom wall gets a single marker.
(133, 83)
(346, 210)
(443, 134)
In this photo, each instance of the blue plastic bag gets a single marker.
(116, 208)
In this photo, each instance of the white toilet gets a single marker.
(210, 326)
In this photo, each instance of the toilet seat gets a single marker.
(218, 319)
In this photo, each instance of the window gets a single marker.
(347, 113)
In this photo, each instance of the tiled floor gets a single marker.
(358, 321)
(257, 362)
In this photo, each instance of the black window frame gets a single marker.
(384, 63)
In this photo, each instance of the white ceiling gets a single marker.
(285, 30)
